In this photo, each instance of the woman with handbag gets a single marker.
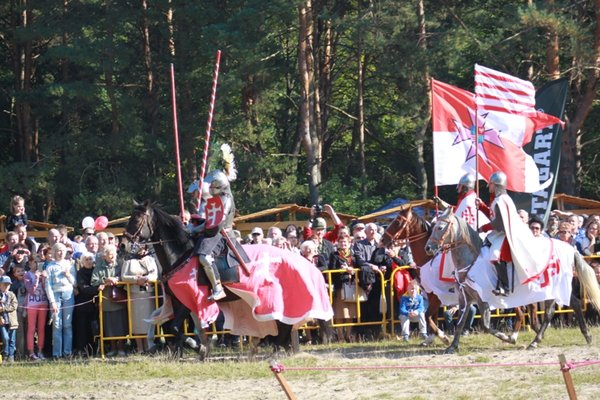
(141, 271)
(105, 276)
(345, 288)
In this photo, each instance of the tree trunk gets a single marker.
(22, 50)
(310, 140)
(570, 164)
(109, 62)
(360, 114)
(420, 136)
(151, 106)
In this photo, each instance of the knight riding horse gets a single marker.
(214, 239)
(510, 240)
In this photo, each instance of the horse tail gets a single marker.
(587, 277)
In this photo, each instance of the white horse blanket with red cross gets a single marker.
(282, 286)
(552, 282)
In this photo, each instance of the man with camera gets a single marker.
(316, 230)
(316, 212)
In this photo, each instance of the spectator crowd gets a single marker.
(49, 291)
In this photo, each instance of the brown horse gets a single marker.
(416, 231)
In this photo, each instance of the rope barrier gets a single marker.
(277, 368)
(374, 367)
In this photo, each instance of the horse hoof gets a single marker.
(427, 342)
(202, 352)
(532, 346)
(588, 339)
(450, 350)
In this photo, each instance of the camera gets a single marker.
(318, 209)
(20, 251)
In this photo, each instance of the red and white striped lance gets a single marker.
(208, 129)
(497, 91)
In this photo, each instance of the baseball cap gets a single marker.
(257, 231)
(5, 279)
(319, 223)
(357, 226)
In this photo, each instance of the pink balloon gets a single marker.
(101, 223)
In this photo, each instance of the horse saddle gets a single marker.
(228, 268)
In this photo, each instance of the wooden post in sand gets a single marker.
(277, 370)
(567, 376)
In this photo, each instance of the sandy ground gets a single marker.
(402, 373)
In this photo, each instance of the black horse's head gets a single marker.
(140, 226)
(148, 222)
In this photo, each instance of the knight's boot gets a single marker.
(213, 276)
(502, 287)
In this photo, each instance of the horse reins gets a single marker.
(406, 228)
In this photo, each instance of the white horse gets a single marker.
(476, 277)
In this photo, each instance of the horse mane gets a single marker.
(168, 221)
(470, 236)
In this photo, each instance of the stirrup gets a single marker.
(217, 294)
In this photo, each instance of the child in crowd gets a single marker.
(18, 288)
(8, 319)
(37, 310)
(19, 258)
(17, 214)
(412, 309)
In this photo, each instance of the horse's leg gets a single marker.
(463, 304)
(181, 312)
(533, 317)
(432, 314)
(548, 314)
(486, 319)
(517, 326)
(577, 306)
(204, 347)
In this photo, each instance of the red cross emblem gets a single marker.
(468, 216)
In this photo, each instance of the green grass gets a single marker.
(85, 377)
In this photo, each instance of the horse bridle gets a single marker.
(405, 228)
(143, 222)
(451, 245)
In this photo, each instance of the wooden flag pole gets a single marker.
(176, 133)
(208, 129)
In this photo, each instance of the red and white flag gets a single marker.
(503, 93)
(500, 141)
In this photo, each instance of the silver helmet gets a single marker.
(499, 180)
(219, 183)
(466, 183)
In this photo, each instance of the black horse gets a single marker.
(150, 224)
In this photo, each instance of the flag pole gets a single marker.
(435, 186)
(176, 133)
(476, 157)
(208, 129)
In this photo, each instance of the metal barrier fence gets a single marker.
(384, 322)
(158, 330)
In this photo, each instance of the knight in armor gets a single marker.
(501, 258)
(215, 219)
(466, 204)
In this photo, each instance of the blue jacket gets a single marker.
(408, 304)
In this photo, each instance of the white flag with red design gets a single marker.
(500, 138)
(498, 92)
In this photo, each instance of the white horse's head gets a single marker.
(440, 233)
